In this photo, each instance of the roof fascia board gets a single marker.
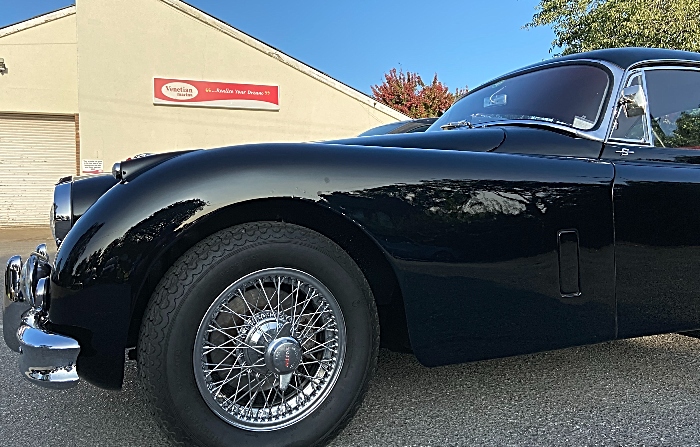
(36, 21)
(282, 57)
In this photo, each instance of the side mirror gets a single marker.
(633, 101)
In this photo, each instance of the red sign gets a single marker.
(215, 94)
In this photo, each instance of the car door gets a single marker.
(656, 198)
(496, 254)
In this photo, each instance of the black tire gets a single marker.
(181, 301)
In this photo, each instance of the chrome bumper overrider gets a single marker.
(46, 359)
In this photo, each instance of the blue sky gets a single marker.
(358, 41)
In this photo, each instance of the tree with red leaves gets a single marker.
(408, 94)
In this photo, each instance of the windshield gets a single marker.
(571, 95)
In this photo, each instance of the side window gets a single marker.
(674, 107)
(631, 129)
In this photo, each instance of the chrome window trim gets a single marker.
(649, 131)
(629, 143)
(643, 67)
(629, 75)
(535, 123)
(601, 132)
(664, 64)
(614, 87)
(620, 77)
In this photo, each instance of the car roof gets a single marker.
(627, 57)
(622, 57)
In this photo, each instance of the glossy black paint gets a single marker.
(657, 213)
(132, 167)
(86, 191)
(476, 254)
(486, 139)
(544, 141)
(464, 232)
(73, 196)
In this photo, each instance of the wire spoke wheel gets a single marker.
(281, 333)
(269, 349)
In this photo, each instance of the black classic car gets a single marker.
(555, 206)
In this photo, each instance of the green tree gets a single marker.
(584, 25)
(687, 132)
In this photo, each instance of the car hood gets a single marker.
(476, 140)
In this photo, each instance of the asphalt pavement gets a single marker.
(638, 392)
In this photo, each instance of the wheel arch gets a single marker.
(361, 247)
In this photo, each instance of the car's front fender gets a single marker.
(104, 260)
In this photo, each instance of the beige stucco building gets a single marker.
(78, 93)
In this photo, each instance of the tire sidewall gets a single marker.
(324, 261)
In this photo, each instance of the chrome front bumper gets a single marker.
(46, 359)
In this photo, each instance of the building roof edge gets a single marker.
(36, 21)
(282, 57)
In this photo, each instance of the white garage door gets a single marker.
(35, 151)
